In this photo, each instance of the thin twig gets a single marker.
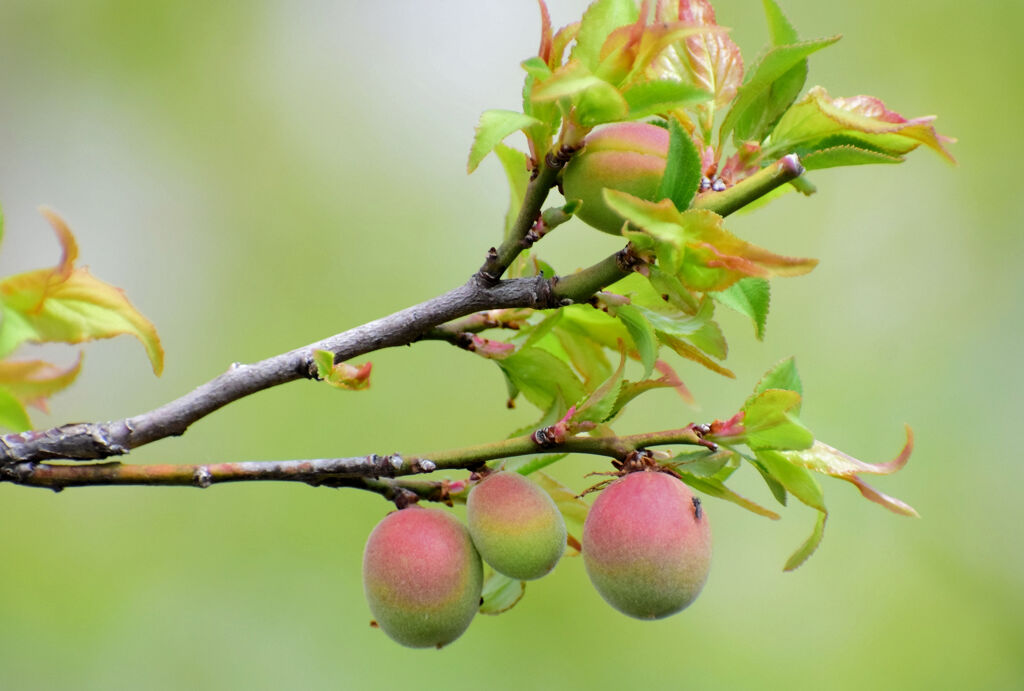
(374, 471)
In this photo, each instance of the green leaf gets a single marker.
(599, 405)
(513, 162)
(782, 376)
(845, 155)
(500, 593)
(774, 486)
(751, 297)
(541, 377)
(642, 333)
(573, 509)
(661, 96)
(809, 546)
(70, 305)
(585, 354)
(341, 375)
(779, 27)
(569, 80)
(494, 126)
(695, 246)
(772, 66)
(599, 103)
(818, 122)
(536, 68)
(526, 466)
(682, 169)
(12, 413)
(795, 478)
(769, 106)
(535, 332)
(769, 421)
(599, 21)
(703, 463)
(631, 389)
(716, 488)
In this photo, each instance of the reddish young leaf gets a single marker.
(33, 381)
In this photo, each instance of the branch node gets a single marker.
(202, 477)
(404, 498)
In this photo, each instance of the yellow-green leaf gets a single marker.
(70, 305)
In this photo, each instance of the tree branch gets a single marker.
(373, 472)
(483, 292)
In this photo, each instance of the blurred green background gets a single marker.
(260, 175)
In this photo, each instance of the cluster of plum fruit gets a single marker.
(646, 547)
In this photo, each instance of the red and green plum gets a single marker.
(647, 545)
(515, 525)
(629, 157)
(422, 577)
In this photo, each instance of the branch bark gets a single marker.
(373, 472)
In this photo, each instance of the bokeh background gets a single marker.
(258, 175)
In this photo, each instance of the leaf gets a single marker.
(513, 162)
(819, 122)
(809, 546)
(341, 375)
(585, 354)
(772, 66)
(599, 21)
(716, 488)
(661, 96)
(570, 79)
(709, 60)
(682, 168)
(599, 103)
(702, 463)
(500, 593)
(599, 405)
(770, 422)
(779, 26)
(573, 509)
(526, 466)
(33, 381)
(845, 155)
(782, 376)
(769, 106)
(822, 458)
(691, 352)
(695, 246)
(751, 297)
(12, 413)
(797, 480)
(68, 304)
(642, 333)
(541, 377)
(494, 126)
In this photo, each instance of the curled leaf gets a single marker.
(33, 381)
(70, 305)
(819, 122)
(500, 593)
(822, 458)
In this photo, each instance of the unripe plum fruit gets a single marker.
(627, 156)
(515, 525)
(647, 545)
(422, 577)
